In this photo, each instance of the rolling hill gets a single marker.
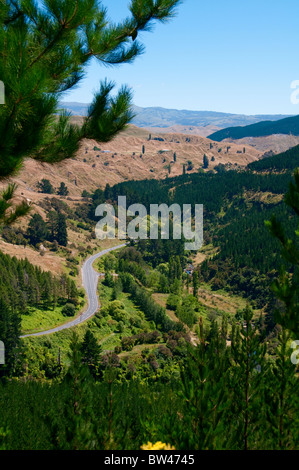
(122, 159)
(284, 126)
(288, 160)
(158, 117)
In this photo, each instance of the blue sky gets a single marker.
(217, 55)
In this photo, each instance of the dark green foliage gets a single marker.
(22, 286)
(90, 351)
(62, 190)
(74, 428)
(205, 161)
(108, 281)
(61, 235)
(288, 160)
(282, 397)
(8, 215)
(195, 280)
(56, 42)
(250, 372)
(204, 395)
(57, 227)
(37, 230)
(45, 187)
(68, 310)
(283, 126)
(190, 165)
(224, 398)
(173, 301)
(286, 287)
(10, 330)
(14, 235)
(187, 312)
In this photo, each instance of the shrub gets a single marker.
(68, 310)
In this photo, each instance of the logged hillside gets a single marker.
(130, 156)
(288, 125)
(276, 143)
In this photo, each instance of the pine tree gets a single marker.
(195, 280)
(91, 351)
(55, 43)
(286, 287)
(8, 214)
(61, 230)
(10, 330)
(37, 230)
(62, 190)
(45, 186)
(249, 370)
(76, 416)
(204, 400)
(205, 161)
(282, 402)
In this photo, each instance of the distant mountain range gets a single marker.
(285, 126)
(163, 118)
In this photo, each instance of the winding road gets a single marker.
(90, 282)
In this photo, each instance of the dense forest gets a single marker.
(287, 126)
(24, 287)
(207, 378)
(285, 161)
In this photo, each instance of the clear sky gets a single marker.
(237, 56)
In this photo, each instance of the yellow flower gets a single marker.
(157, 446)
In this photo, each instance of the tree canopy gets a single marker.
(45, 49)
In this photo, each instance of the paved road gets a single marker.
(90, 281)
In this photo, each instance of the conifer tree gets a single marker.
(90, 351)
(195, 280)
(205, 161)
(10, 330)
(76, 429)
(37, 230)
(281, 398)
(61, 236)
(46, 187)
(62, 190)
(286, 287)
(45, 50)
(204, 396)
(249, 370)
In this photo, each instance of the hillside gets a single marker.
(277, 143)
(288, 125)
(288, 160)
(122, 159)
